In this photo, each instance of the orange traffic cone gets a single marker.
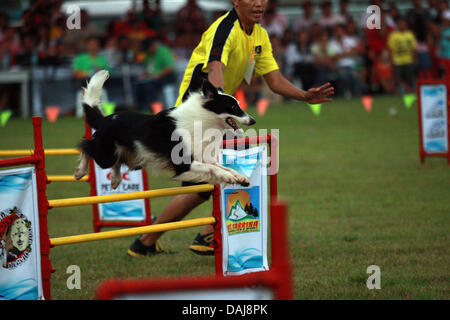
(367, 102)
(157, 107)
(240, 96)
(52, 113)
(262, 105)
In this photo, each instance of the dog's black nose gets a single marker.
(251, 122)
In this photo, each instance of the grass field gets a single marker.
(357, 196)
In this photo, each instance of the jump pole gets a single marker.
(65, 178)
(70, 202)
(132, 231)
(47, 152)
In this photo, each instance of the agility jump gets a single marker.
(37, 158)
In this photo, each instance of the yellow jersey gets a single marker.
(402, 45)
(226, 41)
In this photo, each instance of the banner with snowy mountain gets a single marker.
(20, 253)
(244, 210)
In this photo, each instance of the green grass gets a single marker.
(357, 196)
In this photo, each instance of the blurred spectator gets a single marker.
(376, 42)
(138, 32)
(306, 21)
(343, 16)
(418, 20)
(299, 61)
(126, 54)
(402, 47)
(323, 53)
(57, 29)
(347, 51)
(87, 63)
(433, 9)
(43, 39)
(328, 20)
(28, 56)
(152, 15)
(352, 31)
(274, 22)
(55, 55)
(111, 52)
(315, 31)
(424, 63)
(384, 73)
(444, 45)
(392, 15)
(74, 38)
(159, 72)
(442, 7)
(190, 14)
(4, 25)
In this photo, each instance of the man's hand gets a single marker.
(279, 84)
(319, 95)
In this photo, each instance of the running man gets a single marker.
(233, 48)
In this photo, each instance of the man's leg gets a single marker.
(176, 210)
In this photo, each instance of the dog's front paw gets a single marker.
(79, 173)
(243, 181)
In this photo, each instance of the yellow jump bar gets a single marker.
(47, 152)
(63, 178)
(132, 231)
(130, 196)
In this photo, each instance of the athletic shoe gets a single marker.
(203, 244)
(138, 249)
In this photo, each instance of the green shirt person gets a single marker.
(159, 73)
(159, 61)
(87, 63)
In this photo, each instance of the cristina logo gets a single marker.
(16, 237)
(242, 214)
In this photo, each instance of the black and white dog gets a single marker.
(139, 140)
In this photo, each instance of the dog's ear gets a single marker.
(209, 91)
(196, 83)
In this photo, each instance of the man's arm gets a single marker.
(215, 74)
(279, 84)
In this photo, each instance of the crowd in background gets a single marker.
(311, 49)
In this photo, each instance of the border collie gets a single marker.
(139, 140)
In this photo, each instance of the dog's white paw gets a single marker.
(226, 177)
(80, 173)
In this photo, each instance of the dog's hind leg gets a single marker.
(83, 168)
(116, 175)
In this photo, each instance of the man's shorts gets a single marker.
(204, 195)
(406, 73)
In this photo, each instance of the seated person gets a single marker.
(84, 66)
(159, 72)
(87, 63)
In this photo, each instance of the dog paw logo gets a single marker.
(15, 238)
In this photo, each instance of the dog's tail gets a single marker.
(91, 98)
